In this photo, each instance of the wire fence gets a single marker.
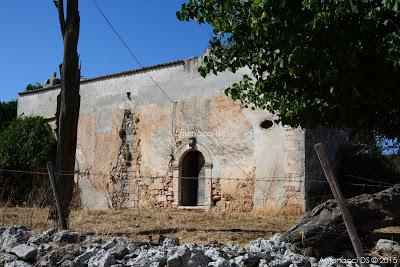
(292, 177)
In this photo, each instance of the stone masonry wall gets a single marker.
(130, 140)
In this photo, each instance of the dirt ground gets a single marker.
(147, 225)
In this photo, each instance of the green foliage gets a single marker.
(8, 112)
(35, 86)
(332, 63)
(27, 143)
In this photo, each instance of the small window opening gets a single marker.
(266, 124)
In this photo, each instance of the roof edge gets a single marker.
(110, 76)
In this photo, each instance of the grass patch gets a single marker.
(147, 225)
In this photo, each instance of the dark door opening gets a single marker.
(191, 169)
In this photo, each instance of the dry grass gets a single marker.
(389, 230)
(147, 225)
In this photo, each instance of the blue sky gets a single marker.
(31, 44)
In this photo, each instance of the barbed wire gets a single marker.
(289, 177)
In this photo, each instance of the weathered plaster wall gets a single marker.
(248, 166)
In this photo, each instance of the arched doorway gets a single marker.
(192, 176)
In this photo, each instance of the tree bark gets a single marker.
(323, 231)
(68, 104)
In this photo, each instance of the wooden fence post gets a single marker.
(342, 203)
(61, 217)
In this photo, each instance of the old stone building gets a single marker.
(163, 136)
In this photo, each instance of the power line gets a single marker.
(129, 50)
(155, 82)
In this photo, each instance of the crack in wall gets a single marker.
(121, 174)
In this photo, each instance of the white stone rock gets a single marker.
(18, 264)
(386, 247)
(101, 259)
(24, 252)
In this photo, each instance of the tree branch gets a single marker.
(72, 11)
(61, 18)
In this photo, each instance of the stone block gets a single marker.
(157, 184)
(161, 198)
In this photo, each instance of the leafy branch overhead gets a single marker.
(313, 63)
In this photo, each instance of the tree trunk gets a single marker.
(68, 105)
(322, 230)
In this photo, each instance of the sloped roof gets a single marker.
(110, 76)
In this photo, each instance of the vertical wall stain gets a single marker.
(121, 174)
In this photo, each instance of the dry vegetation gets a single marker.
(147, 225)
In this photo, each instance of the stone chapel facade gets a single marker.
(192, 147)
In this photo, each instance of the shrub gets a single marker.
(8, 112)
(363, 172)
(25, 145)
(35, 86)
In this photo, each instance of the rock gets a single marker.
(387, 248)
(24, 252)
(131, 247)
(72, 249)
(232, 250)
(6, 258)
(109, 244)
(50, 232)
(35, 239)
(214, 253)
(297, 259)
(145, 258)
(171, 242)
(84, 257)
(180, 258)
(174, 261)
(264, 249)
(94, 239)
(18, 263)
(279, 263)
(101, 259)
(252, 261)
(238, 261)
(12, 236)
(49, 259)
(155, 255)
(43, 249)
(66, 236)
(68, 263)
(119, 250)
(198, 259)
(184, 252)
(220, 262)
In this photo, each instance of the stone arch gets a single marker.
(185, 148)
(204, 176)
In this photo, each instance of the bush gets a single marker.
(25, 145)
(366, 172)
(8, 112)
(35, 86)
